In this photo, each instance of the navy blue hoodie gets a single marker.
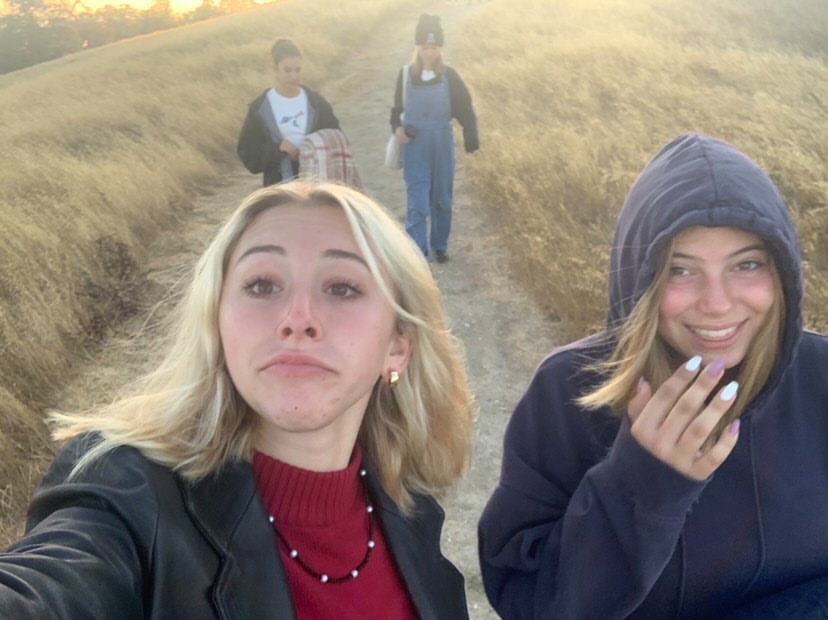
(585, 523)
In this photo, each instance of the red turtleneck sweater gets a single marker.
(323, 515)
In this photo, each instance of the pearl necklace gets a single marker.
(324, 577)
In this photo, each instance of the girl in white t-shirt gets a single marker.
(280, 118)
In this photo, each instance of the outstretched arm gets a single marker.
(80, 557)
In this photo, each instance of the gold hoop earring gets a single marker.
(393, 379)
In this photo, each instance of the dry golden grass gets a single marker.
(104, 149)
(101, 151)
(574, 97)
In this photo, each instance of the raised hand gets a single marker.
(674, 423)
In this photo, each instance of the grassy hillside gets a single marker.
(104, 149)
(573, 102)
(101, 151)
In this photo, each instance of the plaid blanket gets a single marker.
(326, 155)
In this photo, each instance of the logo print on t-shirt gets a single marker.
(293, 120)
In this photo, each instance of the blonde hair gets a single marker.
(641, 352)
(188, 415)
(417, 63)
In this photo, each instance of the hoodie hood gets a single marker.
(696, 180)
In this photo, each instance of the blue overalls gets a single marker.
(428, 163)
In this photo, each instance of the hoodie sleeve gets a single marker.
(397, 108)
(256, 148)
(574, 530)
(462, 110)
(325, 117)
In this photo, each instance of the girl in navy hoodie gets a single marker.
(675, 464)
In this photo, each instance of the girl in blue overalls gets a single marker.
(428, 95)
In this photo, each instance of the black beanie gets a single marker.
(429, 31)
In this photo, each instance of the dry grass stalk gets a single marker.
(573, 101)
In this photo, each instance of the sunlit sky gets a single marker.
(178, 6)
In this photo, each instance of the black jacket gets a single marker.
(259, 139)
(129, 538)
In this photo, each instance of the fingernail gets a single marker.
(730, 391)
(733, 429)
(715, 369)
(693, 363)
(639, 385)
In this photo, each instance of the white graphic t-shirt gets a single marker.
(291, 115)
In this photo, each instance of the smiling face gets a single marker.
(288, 76)
(718, 293)
(306, 333)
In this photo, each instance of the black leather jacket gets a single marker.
(129, 538)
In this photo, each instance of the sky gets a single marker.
(179, 6)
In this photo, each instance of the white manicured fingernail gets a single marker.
(730, 391)
(693, 363)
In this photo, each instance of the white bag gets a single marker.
(392, 153)
(393, 156)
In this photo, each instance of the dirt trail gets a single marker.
(501, 328)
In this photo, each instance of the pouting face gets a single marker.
(306, 329)
(718, 293)
(288, 75)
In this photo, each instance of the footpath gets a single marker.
(503, 331)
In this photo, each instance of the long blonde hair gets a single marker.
(417, 63)
(641, 352)
(187, 414)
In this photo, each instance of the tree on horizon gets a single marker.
(35, 31)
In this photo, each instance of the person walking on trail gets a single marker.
(428, 95)
(278, 120)
(674, 465)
